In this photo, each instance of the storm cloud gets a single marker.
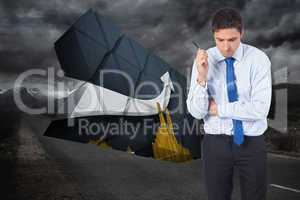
(28, 28)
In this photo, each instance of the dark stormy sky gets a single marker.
(28, 29)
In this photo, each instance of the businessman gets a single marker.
(231, 91)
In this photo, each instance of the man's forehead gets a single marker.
(226, 34)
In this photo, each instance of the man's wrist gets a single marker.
(201, 82)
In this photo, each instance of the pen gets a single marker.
(196, 44)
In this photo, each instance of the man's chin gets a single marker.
(227, 55)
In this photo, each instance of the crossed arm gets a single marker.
(199, 103)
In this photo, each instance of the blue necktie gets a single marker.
(238, 137)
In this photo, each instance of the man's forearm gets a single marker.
(241, 110)
(197, 101)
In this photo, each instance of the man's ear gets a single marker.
(242, 34)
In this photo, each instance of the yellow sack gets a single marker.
(165, 146)
(100, 143)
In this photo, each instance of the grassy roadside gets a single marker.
(283, 143)
(8, 155)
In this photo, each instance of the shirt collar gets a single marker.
(238, 54)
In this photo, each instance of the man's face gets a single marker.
(227, 40)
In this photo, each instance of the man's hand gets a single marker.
(213, 109)
(202, 66)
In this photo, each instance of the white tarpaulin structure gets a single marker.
(98, 100)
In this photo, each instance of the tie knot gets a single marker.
(229, 60)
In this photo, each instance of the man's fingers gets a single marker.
(202, 56)
(202, 63)
(202, 53)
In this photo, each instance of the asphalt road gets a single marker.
(114, 175)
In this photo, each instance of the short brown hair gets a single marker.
(227, 18)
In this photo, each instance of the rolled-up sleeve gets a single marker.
(197, 101)
(258, 106)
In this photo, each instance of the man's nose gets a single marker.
(226, 46)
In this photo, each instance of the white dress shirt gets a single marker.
(252, 70)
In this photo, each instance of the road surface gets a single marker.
(82, 171)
